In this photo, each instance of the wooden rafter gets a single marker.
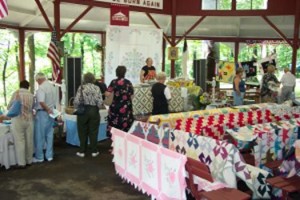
(157, 26)
(191, 29)
(277, 30)
(44, 14)
(76, 20)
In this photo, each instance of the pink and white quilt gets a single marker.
(154, 170)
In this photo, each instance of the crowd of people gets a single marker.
(269, 89)
(33, 128)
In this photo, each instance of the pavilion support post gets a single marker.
(173, 36)
(296, 38)
(236, 52)
(103, 43)
(164, 45)
(57, 19)
(277, 30)
(22, 54)
(38, 3)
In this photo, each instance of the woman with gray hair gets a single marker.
(161, 95)
(88, 122)
(268, 78)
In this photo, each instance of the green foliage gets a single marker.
(92, 57)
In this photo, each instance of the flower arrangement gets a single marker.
(205, 99)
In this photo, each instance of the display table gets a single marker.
(71, 128)
(143, 101)
(7, 147)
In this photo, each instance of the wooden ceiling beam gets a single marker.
(76, 20)
(277, 30)
(191, 29)
(44, 14)
(157, 26)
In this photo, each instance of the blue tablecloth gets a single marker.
(71, 128)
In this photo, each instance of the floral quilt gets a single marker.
(154, 170)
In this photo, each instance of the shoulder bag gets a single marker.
(81, 107)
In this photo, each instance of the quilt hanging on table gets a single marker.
(155, 170)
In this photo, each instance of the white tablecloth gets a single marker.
(71, 128)
(7, 148)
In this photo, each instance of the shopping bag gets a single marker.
(108, 100)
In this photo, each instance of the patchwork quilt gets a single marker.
(272, 140)
(169, 120)
(143, 101)
(215, 125)
(224, 160)
(151, 132)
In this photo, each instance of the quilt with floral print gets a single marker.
(154, 170)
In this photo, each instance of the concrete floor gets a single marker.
(68, 177)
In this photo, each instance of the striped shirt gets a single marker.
(27, 101)
(91, 94)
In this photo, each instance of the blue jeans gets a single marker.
(43, 135)
(238, 99)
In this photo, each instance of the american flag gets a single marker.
(53, 54)
(3, 9)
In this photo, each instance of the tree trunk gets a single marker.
(82, 51)
(254, 55)
(72, 43)
(32, 61)
(93, 59)
(211, 63)
(4, 72)
(17, 59)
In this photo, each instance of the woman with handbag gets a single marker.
(22, 125)
(120, 114)
(87, 101)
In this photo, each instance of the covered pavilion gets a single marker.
(177, 18)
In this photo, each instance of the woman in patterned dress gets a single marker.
(120, 114)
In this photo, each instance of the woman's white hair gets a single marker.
(161, 76)
(40, 76)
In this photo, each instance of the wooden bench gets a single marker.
(196, 168)
(287, 185)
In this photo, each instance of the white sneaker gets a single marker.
(80, 154)
(49, 159)
(34, 160)
(95, 154)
